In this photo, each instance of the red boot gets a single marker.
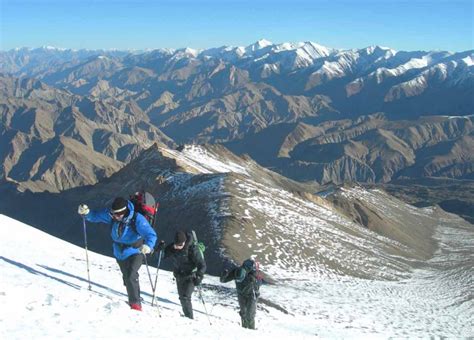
(136, 306)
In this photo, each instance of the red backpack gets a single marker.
(145, 204)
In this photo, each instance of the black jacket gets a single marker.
(186, 260)
(249, 287)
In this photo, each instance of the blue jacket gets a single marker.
(122, 244)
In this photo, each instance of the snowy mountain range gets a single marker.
(283, 96)
(346, 77)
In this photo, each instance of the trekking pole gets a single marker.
(157, 204)
(87, 256)
(153, 287)
(204, 304)
(148, 271)
(156, 278)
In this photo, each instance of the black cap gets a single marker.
(180, 237)
(249, 265)
(120, 204)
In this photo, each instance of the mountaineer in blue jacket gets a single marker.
(133, 238)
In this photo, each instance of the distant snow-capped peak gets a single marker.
(187, 52)
(376, 48)
(262, 43)
(52, 48)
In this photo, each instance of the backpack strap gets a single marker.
(190, 244)
(194, 239)
(133, 222)
(194, 243)
(132, 225)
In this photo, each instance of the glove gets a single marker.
(197, 279)
(224, 275)
(83, 209)
(144, 249)
(161, 245)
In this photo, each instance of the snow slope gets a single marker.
(44, 294)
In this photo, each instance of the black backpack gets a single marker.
(194, 242)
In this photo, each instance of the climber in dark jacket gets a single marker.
(189, 267)
(132, 237)
(247, 283)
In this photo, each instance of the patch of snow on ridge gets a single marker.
(204, 161)
(469, 60)
(332, 68)
(459, 117)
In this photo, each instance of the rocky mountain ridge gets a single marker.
(368, 149)
(240, 209)
(54, 140)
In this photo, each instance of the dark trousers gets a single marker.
(129, 268)
(248, 308)
(185, 291)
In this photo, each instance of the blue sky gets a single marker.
(122, 24)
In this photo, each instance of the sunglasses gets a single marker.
(117, 215)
